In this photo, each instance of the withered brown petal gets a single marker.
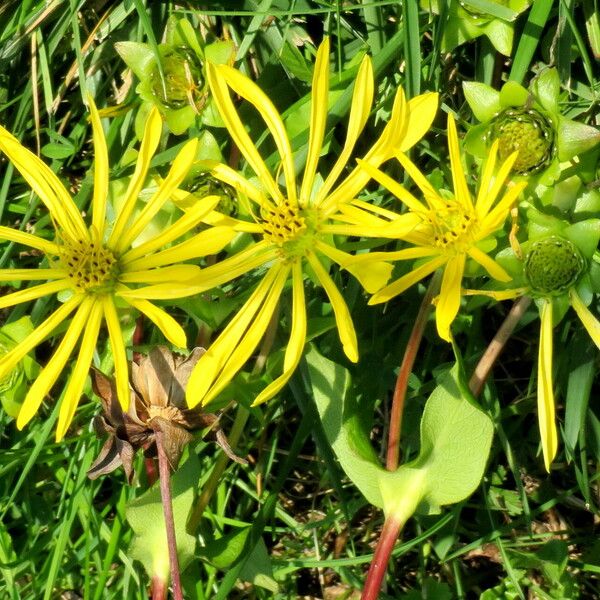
(114, 453)
(152, 379)
(222, 440)
(183, 371)
(174, 438)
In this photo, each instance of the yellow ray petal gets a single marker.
(27, 239)
(221, 97)
(378, 210)
(80, 371)
(432, 198)
(9, 361)
(169, 327)
(489, 264)
(31, 274)
(487, 178)
(221, 220)
(404, 282)
(380, 151)
(211, 363)
(148, 147)
(46, 185)
(362, 99)
(32, 293)
(394, 187)
(189, 220)
(484, 205)
(227, 175)
(50, 373)
(404, 254)
(179, 169)
(117, 346)
(348, 213)
(459, 183)
(590, 322)
(545, 390)
(497, 295)
(207, 242)
(295, 346)
(174, 273)
(343, 319)
(251, 338)
(496, 218)
(449, 298)
(318, 118)
(421, 112)
(101, 168)
(373, 275)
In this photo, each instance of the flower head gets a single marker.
(553, 267)
(528, 122)
(90, 266)
(293, 221)
(446, 231)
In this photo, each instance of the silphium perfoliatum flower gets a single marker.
(85, 268)
(467, 20)
(175, 80)
(555, 267)
(528, 122)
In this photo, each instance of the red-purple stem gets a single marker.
(165, 494)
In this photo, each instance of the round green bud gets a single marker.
(183, 79)
(553, 265)
(527, 132)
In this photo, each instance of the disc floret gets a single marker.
(454, 227)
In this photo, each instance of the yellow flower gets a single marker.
(293, 222)
(93, 265)
(445, 231)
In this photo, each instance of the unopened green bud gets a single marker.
(527, 132)
(553, 265)
(183, 79)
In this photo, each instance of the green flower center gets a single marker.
(183, 79)
(92, 267)
(453, 227)
(290, 228)
(527, 132)
(553, 265)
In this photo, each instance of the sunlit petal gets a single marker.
(318, 119)
(80, 371)
(590, 322)
(148, 147)
(496, 218)
(343, 319)
(169, 327)
(489, 264)
(449, 298)
(459, 183)
(403, 283)
(545, 393)
(486, 201)
(28, 239)
(175, 273)
(221, 97)
(117, 346)
(100, 170)
(31, 274)
(37, 291)
(295, 346)
(50, 373)
(179, 169)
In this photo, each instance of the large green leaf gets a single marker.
(145, 515)
(455, 441)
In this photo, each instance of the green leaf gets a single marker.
(145, 515)
(258, 569)
(58, 151)
(500, 34)
(294, 62)
(455, 443)
(138, 57)
(574, 138)
(483, 100)
(330, 383)
(493, 9)
(513, 94)
(546, 88)
(220, 52)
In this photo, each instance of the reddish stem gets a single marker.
(383, 551)
(159, 589)
(165, 494)
(408, 361)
